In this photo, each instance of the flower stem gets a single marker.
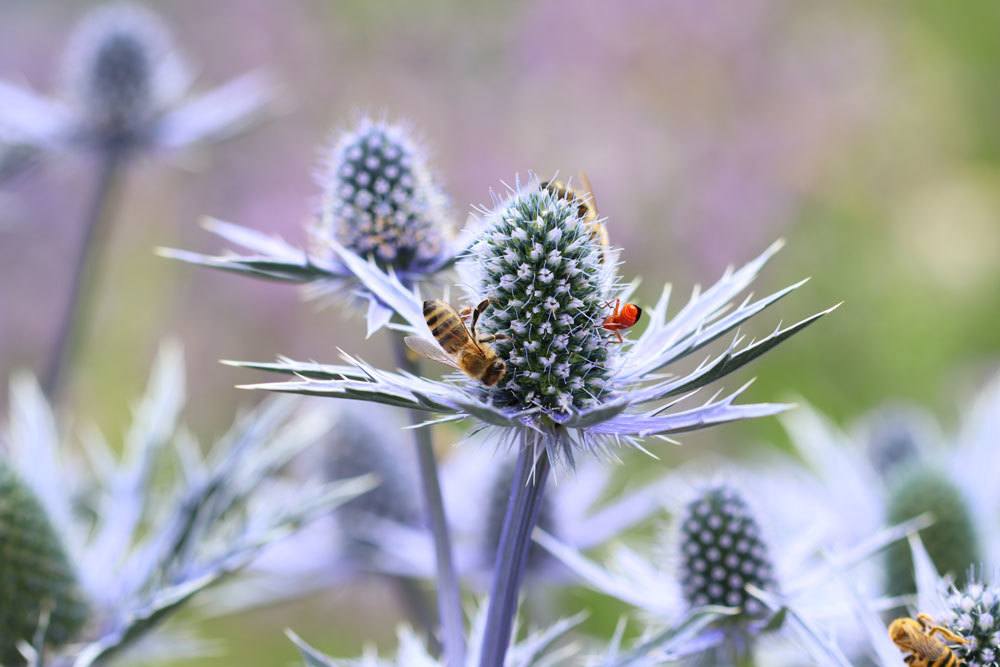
(527, 490)
(448, 591)
(72, 326)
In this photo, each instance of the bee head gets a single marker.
(494, 373)
(902, 630)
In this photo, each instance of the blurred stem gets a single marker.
(448, 591)
(526, 492)
(73, 324)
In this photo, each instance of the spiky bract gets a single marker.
(36, 577)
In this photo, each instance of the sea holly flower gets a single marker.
(545, 647)
(932, 476)
(546, 282)
(379, 199)
(568, 388)
(747, 578)
(144, 533)
(966, 612)
(126, 88)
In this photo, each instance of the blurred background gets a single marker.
(864, 134)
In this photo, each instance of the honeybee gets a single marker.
(460, 347)
(621, 318)
(917, 637)
(586, 208)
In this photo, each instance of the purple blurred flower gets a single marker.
(126, 87)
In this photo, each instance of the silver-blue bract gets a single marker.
(966, 460)
(549, 646)
(639, 397)
(126, 87)
(143, 548)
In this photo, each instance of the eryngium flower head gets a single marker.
(896, 437)
(379, 203)
(740, 551)
(547, 283)
(380, 200)
(36, 577)
(544, 272)
(120, 68)
(974, 614)
(952, 540)
(126, 87)
(722, 552)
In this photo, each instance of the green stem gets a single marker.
(448, 590)
(73, 324)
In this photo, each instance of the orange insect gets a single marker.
(621, 318)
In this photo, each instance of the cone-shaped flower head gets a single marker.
(543, 270)
(120, 68)
(722, 552)
(951, 541)
(35, 575)
(974, 614)
(380, 200)
(895, 438)
(362, 448)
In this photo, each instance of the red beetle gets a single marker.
(621, 318)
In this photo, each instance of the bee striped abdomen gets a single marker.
(446, 326)
(949, 659)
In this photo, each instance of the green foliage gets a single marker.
(951, 542)
(35, 574)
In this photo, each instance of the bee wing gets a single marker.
(429, 349)
(585, 182)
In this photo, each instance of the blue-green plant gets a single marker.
(146, 531)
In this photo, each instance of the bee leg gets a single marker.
(483, 305)
(489, 338)
(618, 335)
(946, 633)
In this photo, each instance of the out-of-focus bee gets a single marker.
(622, 317)
(586, 208)
(917, 637)
(460, 347)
